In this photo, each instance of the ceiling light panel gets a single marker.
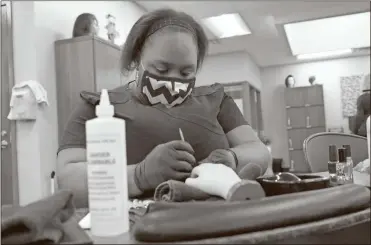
(335, 33)
(226, 25)
(326, 54)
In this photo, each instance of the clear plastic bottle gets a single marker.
(107, 171)
(349, 165)
(332, 162)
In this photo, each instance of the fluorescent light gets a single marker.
(335, 33)
(323, 54)
(226, 25)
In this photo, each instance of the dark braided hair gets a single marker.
(135, 41)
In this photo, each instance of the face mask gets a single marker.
(165, 90)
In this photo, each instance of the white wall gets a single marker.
(327, 73)
(36, 26)
(231, 67)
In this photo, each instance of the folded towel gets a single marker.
(177, 191)
(43, 222)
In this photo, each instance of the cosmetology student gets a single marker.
(166, 49)
(363, 109)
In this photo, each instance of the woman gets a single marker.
(166, 49)
(363, 109)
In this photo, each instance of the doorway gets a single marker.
(8, 154)
(248, 99)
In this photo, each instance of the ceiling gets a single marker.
(267, 45)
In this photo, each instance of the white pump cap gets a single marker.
(104, 109)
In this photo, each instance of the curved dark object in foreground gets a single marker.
(201, 220)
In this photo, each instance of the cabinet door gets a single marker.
(298, 160)
(296, 138)
(107, 66)
(314, 95)
(315, 116)
(294, 97)
(296, 117)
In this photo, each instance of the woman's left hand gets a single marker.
(221, 156)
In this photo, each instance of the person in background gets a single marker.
(166, 49)
(363, 109)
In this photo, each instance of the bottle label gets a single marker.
(105, 174)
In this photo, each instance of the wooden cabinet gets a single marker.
(305, 116)
(83, 63)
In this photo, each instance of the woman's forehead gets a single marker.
(173, 47)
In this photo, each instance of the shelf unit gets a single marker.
(305, 115)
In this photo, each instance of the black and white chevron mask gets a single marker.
(165, 90)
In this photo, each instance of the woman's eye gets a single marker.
(186, 73)
(161, 69)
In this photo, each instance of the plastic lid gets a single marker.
(333, 154)
(342, 155)
(104, 109)
(348, 152)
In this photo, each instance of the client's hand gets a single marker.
(222, 156)
(173, 160)
(214, 179)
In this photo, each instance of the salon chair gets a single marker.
(315, 148)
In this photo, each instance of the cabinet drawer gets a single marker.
(298, 161)
(314, 95)
(315, 116)
(296, 138)
(296, 117)
(295, 97)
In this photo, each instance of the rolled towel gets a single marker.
(43, 222)
(177, 191)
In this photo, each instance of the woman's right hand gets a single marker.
(172, 160)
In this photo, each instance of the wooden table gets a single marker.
(287, 235)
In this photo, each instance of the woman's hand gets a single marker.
(221, 156)
(173, 160)
(214, 179)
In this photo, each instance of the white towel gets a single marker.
(37, 89)
(25, 99)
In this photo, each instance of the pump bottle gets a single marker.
(107, 171)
